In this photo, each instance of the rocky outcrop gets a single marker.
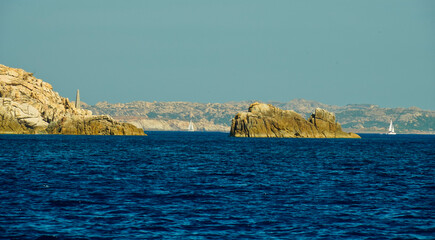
(265, 120)
(29, 105)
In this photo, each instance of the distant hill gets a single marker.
(361, 118)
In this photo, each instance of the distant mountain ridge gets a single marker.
(361, 118)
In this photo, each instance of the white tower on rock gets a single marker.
(78, 99)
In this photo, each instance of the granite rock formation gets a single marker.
(29, 105)
(265, 120)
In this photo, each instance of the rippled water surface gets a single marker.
(210, 186)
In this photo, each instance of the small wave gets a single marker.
(69, 203)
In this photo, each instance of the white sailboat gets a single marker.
(391, 129)
(190, 128)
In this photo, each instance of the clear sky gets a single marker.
(335, 52)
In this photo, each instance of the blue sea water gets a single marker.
(180, 185)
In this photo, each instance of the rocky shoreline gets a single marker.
(30, 106)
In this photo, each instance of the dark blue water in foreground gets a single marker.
(210, 186)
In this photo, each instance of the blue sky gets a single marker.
(335, 52)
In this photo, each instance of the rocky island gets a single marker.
(30, 106)
(265, 120)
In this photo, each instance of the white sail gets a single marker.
(190, 128)
(391, 129)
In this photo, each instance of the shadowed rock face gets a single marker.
(28, 105)
(265, 120)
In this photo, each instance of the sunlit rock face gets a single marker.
(265, 120)
(29, 105)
